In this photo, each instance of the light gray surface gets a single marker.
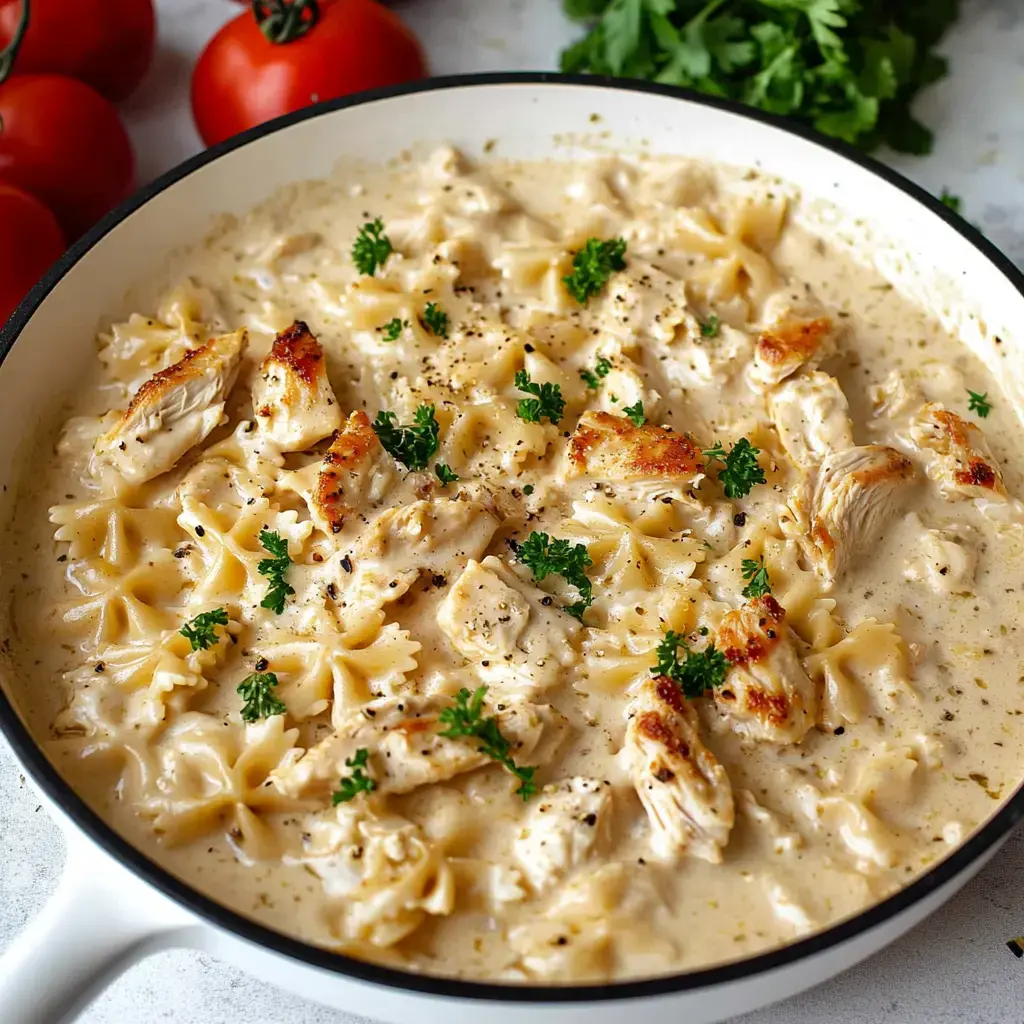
(955, 968)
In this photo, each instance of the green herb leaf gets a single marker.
(445, 474)
(978, 403)
(709, 328)
(549, 401)
(371, 248)
(592, 266)
(392, 330)
(740, 471)
(635, 413)
(274, 569)
(757, 575)
(546, 557)
(696, 672)
(200, 632)
(435, 320)
(528, 490)
(357, 781)
(259, 701)
(465, 718)
(594, 377)
(413, 445)
(950, 200)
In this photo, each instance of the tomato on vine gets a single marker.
(284, 55)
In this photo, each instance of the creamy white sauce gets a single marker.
(451, 878)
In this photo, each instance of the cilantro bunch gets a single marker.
(850, 68)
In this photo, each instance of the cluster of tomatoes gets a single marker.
(65, 157)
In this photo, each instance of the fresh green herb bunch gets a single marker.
(548, 401)
(200, 632)
(274, 569)
(411, 444)
(545, 557)
(696, 671)
(259, 702)
(756, 574)
(740, 469)
(371, 248)
(593, 265)
(850, 68)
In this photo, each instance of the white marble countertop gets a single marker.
(953, 969)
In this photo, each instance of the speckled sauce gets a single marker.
(917, 747)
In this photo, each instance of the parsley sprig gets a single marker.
(259, 701)
(740, 470)
(465, 718)
(392, 330)
(357, 781)
(709, 328)
(545, 557)
(851, 69)
(274, 569)
(757, 576)
(978, 403)
(200, 632)
(413, 444)
(592, 266)
(635, 413)
(445, 473)
(548, 401)
(435, 319)
(593, 378)
(371, 248)
(696, 671)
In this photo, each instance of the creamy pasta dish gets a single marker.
(531, 572)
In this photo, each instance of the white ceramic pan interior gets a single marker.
(114, 905)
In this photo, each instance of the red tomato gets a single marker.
(30, 240)
(242, 79)
(107, 44)
(63, 142)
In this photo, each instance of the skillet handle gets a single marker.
(100, 921)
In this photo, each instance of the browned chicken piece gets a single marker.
(612, 448)
(960, 461)
(351, 466)
(856, 492)
(172, 412)
(291, 396)
(812, 418)
(766, 695)
(797, 333)
(681, 784)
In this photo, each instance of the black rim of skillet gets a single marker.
(45, 775)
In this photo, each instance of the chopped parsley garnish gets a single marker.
(546, 557)
(357, 781)
(740, 470)
(950, 200)
(200, 632)
(371, 248)
(259, 701)
(635, 413)
(445, 473)
(548, 402)
(593, 265)
(465, 718)
(696, 672)
(709, 328)
(274, 569)
(594, 377)
(979, 403)
(392, 330)
(435, 319)
(528, 490)
(757, 576)
(414, 444)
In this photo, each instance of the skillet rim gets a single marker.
(34, 761)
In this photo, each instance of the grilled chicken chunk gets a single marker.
(856, 492)
(959, 459)
(612, 448)
(684, 789)
(767, 695)
(291, 396)
(812, 417)
(500, 623)
(406, 750)
(564, 825)
(354, 470)
(172, 412)
(796, 333)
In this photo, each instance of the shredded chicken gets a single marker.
(767, 695)
(501, 624)
(564, 826)
(291, 396)
(172, 412)
(812, 418)
(684, 789)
